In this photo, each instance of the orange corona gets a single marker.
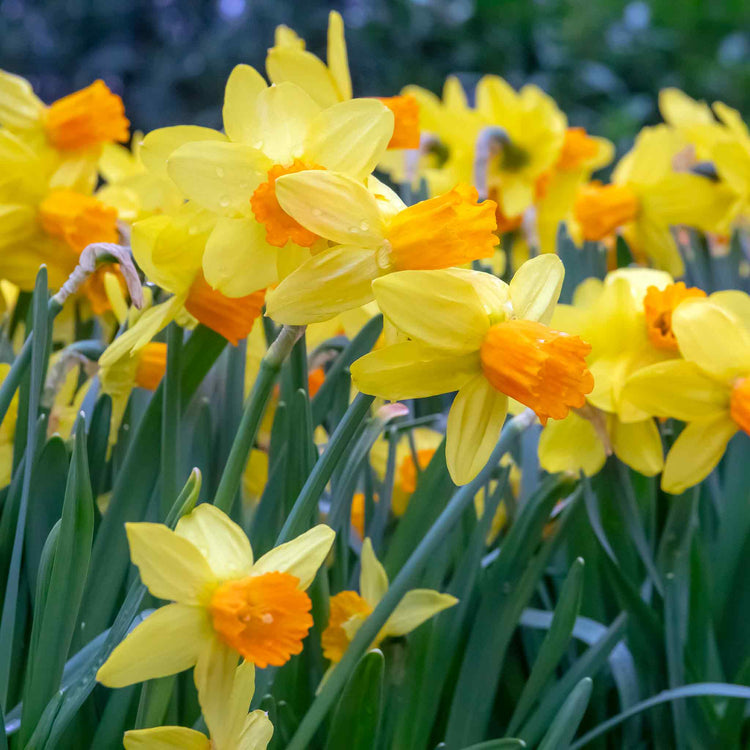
(542, 368)
(345, 607)
(78, 219)
(739, 404)
(265, 618)
(578, 148)
(449, 230)
(152, 363)
(658, 305)
(600, 209)
(87, 118)
(280, 227)
(405, 121)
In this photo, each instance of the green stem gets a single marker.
(170, 423)
(252, 415)
(406, 578)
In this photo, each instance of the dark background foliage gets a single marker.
(603, 60)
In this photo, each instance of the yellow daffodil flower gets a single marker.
(224, 704)
(471, 332)
(132, 189)
(75, 127)
(375, 234)
(709, 389)
(627, 320)
(225, 604)
(43, 218)
(270, 132)
(349, 609)
(647, 197)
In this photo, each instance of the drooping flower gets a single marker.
(375, 234)
(709, 388)
(349, 609)
(224, 700)
(270, 132)
(469, 331)
(224, 604)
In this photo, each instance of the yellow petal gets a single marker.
(20, 108)
(412, 370)
(158, 145)
(517, 195)
(350, 137)
(338, 62)
(435, 307)
(373, 581)
(168, 641)
(219, 539)
(238, 261)
(221, 177)
(243, 87)
(571, 444)
(332, 205)
(301, 557)
(638, 444)
(165, 738)
(305, 70)
(257, 733)
(324, 286)
(696, 452)
(679, 110)
(171, 567)
(284, 114)
(214, 677)
(535, 288)
(676, 388)
(474, 424)
(417, 606)
(712, 338)
(735, 302)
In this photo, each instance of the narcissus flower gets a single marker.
(709, 389)
(471, 332)
(628, 321)
(376, 234)
(224, 700)
(270, 132)
(349, 609)
(647, 197)
(225, 604)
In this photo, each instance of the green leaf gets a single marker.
(355, 721)
(508, 743)
(696, 690)
(563, 728)
(554, 644)
(170, 419)
(69, 570)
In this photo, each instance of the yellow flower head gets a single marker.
(270, 131)
(375, 234)
(349, 609)
(469, 331)
(709, 388)
(225, 604)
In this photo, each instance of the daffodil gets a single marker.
(375, 234)
(224, 703)
(709, 388)
(7, 433)
(471, 332)
(43, 218)
(349, 609)
(270, 132)
(627, 319)
(224, 604)
(647, 197)
(75, 126)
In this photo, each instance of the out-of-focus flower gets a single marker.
(469, 331)
(628, 322)
(224, 704)
(7, 433)
(376, 234)
(270, 132)
(349, 609)
(225, 604)
(647, 197)
(709, 389)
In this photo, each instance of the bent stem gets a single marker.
(252, 415)
(402, 583)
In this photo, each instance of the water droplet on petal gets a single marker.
(224, 201)
(317, 212)
(364, 226)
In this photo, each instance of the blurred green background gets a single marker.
(604, 61)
